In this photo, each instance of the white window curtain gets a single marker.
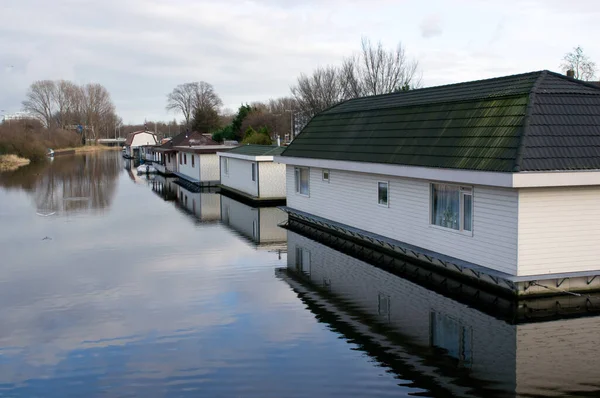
(302, 180)
(446, 206)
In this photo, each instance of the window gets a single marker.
(192, 160)
(302, 180)
(326, 175)
(383, 193)
(180, 158)
(452, 207)
(383, 307)
(184, 158)
(253, 171)
(226, 165)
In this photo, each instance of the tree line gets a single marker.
(62, 104)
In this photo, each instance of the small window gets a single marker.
(452, 337)
(383, 193)
(253, 171)
(180, 158)
(302, 180)
(326, 175)
(184, 158)
(192, 160)
(452, 207)
(226, 165)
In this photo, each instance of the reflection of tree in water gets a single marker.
(69, 183)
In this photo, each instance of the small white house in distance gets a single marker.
(199, 164)
(498, 179)
(136, 140)
(249, 171)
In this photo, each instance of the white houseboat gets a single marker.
(497, 179)
(136, 140)
(199, 164)
(165, 155)
(204, 205)
(249, 171)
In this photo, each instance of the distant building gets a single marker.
(16, 116)
(137, 140)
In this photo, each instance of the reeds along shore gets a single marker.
(12, 162)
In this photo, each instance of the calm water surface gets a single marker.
(113, 284)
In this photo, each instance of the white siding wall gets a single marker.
(272, 180)
(143, 139)
(269, 229)
(351, 198)
(209, 167)
(410, 305)
(559, 230)
(187, 169)
(239, 176)
(171, 163)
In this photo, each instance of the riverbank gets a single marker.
(86, 149)
(12, 162)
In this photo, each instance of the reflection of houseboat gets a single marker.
(534, 347)
(136, 140)
(165, 156)
(258, 225)
(165, 187)
(203, 204)
(496, 179)
(248, 171)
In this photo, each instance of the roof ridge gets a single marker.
(573, 80)
(525, 128)
(490, 79)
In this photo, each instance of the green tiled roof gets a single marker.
(258, 150)
(534, 121)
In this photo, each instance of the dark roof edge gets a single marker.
(525, 128)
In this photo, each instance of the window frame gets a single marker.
(253, 171)
(323, 172)
(387, 202)
(463, 190)
(297, 188)
(226, 166)
(185, 159)
(192, 156)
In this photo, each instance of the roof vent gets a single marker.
(571, 73)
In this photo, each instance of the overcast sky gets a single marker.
(254, 50)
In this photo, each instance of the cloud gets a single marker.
(431, 27)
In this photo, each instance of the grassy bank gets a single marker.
(12, 162)
(87, 149)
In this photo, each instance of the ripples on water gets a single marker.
(115, 285)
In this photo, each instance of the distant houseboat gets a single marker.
(199, 164)
(165, 155)
(203, 205)
(249, 171)
(135, 141)
(498, 180)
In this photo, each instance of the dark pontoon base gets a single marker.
(535, 285)
(250, 200)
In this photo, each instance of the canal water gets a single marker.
(114, 284)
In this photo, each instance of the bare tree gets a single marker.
(188, 98)
(182, 99)
(318, 91)
(578, 62)
(40, 101)
(66, 99)
(375, 70)
(206, 97)
(98, 109)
